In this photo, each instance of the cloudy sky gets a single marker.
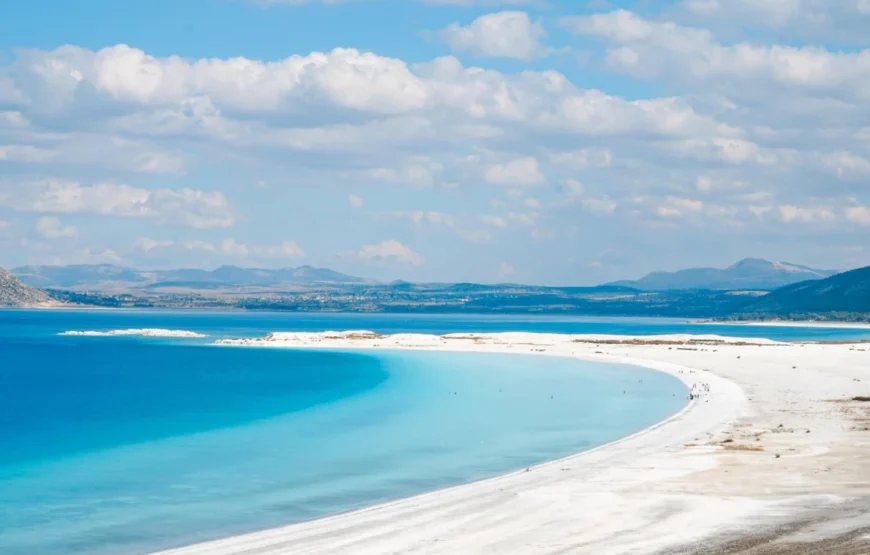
(539, 141)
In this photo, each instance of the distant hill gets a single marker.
(846, 292)
(13, 293)
(108, 277)
(748, 274)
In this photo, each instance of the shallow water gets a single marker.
(125, 445)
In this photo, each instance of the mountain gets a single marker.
(13, 293)
(846, 292)
(748, 274)
(64, 277)
(106, 277)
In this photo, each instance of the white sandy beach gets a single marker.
(770, 457)
(144, 332)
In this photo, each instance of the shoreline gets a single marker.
(762, 455)
(798, 324)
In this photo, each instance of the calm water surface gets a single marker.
(125, 445)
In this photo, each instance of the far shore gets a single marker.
(811, 324)
(771, 456)
(790, 323)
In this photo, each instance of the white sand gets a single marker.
(145, 332)
(677, 485)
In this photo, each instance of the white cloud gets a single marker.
(524, 218)
(675, 207)
(843, 21)
(506, 270)
(584, 158)
(599, 205)
(343, 77)
(573, 188)
(25, 153)
(188, 207)
(287, 249)
(751, 119)
(704, 183)
(390, 251)
(652, 49)
(475, 235)
(858, 215)
(846, 164)
(146, 244)
(495, 221)
(419, 217)
(91, 256)
(521, 171)
(51, 228)
(158, 163)
(237, 100)
(509, 34)
(797, 214)
(775, 13)
(231, 248)
(416, 175)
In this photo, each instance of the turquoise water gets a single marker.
(120, 445)
(252, 324)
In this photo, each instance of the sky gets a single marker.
(558, 142)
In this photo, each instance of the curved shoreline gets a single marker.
(699, 417)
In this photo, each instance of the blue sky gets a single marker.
(543, 141)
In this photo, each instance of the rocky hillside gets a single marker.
(14, 293)
(847, 292)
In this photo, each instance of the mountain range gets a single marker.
(747, 274)
(108, 277)
(746, 290)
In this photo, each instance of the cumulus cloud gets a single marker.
(51, 228)
(146, 244)
(521, 171)
(90, 256)
(506, 270)
(188, 207)
(25, 153)
(842, 20)
(758, 128)
(390, 251)
(858, 215)
(419, 217)
(345, 77)
(807, 215)
(602, 205)
(653, 49)
(509, 34)
(495, 221)
(231, 248)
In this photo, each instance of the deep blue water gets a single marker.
(124, 445)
